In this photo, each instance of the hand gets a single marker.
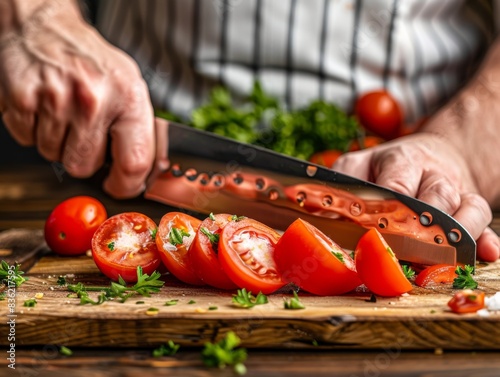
(66, 90)
(427, 167)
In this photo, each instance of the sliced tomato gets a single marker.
(306, 257)
(325, 158)
(436, 274)
(175, 234)
(246, 254)
(204, 252)
(122, 243)
(378, 267)
(467, 301)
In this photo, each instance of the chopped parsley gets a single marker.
(245, 299)
(176, 235)
(30, 303)
(408, 271)
(168, 349)
(171, 302)
(294, 303)
(464, 280)
(111, 246)
(10, 274)
(339, 256)
(225, 353)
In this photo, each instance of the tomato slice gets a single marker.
(122, 243)
(467, 301)
(203, 253)
(378, 267)
(436, 274)
(325, 158)
(246, 254)
(175, 234)
(306, 257)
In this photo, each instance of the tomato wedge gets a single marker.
(203, 253)
(436, 274)
(246, 254)
(122, 243)
(467, 301)
(378, 267)
(175, 234)
(306, 257)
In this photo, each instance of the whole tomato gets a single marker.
(379, 112)
(72, 223)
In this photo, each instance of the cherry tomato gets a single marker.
(203, 253)
(122, 243)
(175, 234)
(436, 274)
(379, 113)
(71, 225)
(378, 267)
(366, 142)
(246, 254)
(467, 301)
(306, 257)
(325, 158)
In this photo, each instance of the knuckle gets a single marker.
(137, 162)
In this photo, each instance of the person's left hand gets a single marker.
(427, 167)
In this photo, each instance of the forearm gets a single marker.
(16, 15)
(471, 122)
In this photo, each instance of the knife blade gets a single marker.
(209, 173)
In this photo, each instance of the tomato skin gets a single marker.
(325, 158)
(379, 112)
(122, 243)
(204, 258)
(175, 257)
(436, 274)
(378, 267)
(366, 142)
(466, 301)
(71, 224)
(246, 254)
(304, 257)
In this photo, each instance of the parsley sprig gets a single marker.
(225, 353)
(245, 299)
(168, 349)
(294, 303)
(145, 285)
(13, 275)
(176, 235)
(464, 280)
(408, 271)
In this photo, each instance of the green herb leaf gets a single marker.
(294, 303)
(175, 236)
(168, 349)
(213, 307)
(237, 218)
(191, 302)
(30, 303)
(212, 237)
(153, 233)
(61, 280)
(245, 299)
(339, 256)
(63, 350)
(211, 216)
(11, 275)
(225, 353)
(171, 302)
(464, 280)
(111, 246)
(408, 271)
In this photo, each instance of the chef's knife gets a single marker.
(209, 173)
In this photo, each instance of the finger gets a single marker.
(21, 125)
(440, 192)
(488, 246)
(133, 154)
(355, 164)
(474, 214)
(161, 162)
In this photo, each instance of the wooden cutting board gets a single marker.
(419, 320)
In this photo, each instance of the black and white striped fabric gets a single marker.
(422, 51)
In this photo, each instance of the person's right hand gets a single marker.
(66, 90)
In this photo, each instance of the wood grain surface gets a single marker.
(346, 334)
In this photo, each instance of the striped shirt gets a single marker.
(422, 51)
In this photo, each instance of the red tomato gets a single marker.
(203, 253)
(366, 142)
(436, 274)
(467, 301)
(175, 234)
(122, 243)
(379, 113)
(71, 225)
(325, 158)
(306, 257)
(378, 267)
(246, 254)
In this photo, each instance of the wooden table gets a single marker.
(29, 192)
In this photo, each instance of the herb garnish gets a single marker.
(168, 349)
(61, 280)
(9, 274)
(408, 271)
(237, 218)
(171, 302)
(294, 303)
(464, 280)
(225, 353)
(145, 286)
(212, 237)
(30, 303)
(175, 236)
(153, 233)
(63, 350)
(111, 246)
(339, 256)
(247, 300)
